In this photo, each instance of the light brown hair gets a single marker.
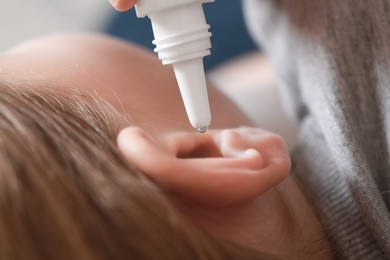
(67, 193)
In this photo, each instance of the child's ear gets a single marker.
(217, 168)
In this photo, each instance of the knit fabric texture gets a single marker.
(332, 58)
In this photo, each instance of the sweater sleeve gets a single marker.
(333, 62)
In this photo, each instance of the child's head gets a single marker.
(70, 188)
(67, 193)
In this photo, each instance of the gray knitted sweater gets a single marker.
(333, 61)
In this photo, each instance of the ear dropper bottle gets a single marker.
(182, 39)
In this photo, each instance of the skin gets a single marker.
(236, 182)
(123, 5)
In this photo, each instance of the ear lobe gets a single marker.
(216, 169)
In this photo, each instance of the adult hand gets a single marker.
(122, 5)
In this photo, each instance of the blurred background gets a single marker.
(236, 65)
(24, 19)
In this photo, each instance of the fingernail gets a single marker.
(113, 2)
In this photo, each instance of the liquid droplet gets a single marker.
(202, 130)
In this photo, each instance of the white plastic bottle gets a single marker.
(182, 39)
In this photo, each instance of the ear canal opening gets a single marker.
(202, 150)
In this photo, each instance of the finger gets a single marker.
(123, 5)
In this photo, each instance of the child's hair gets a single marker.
(67, 193)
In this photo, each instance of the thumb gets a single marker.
(122, 5)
